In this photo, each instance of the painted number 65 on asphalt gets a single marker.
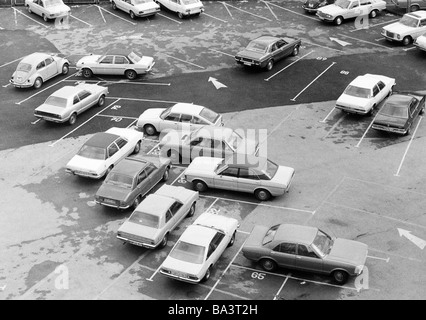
(258, 275)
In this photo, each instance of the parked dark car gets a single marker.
(311, 6)
(399, 112)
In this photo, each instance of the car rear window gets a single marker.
(394, 111)
(92, 152)
(357, 92)
(189, 252)
(257, 47)
(209, 115)
(145, 219)
(56, 101)
(26, 67)
(119, 179)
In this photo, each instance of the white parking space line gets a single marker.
(113, 14)
(6, 85)
(184, 61)
(373, 25)
(279, 125)
(40, 91)
(63, 137)
(205, 14)
(226, 54)
(318, 45)
(7, 63)
(323, 120)
(277, 295)
(374, 44)
(378, 258)
(229, 12)
(102, 15)
(343, 116)
(411, 48)
(145, 100)
(81, 21)
(267, 79)
(332, 64)
(272, 12)
(153, 148)
(365, 133)
(255, 15)
(36, 121)
(140, 83)
(295, 12)
(111, 116)
(395, 255)
(16, 10)
(408, 147)
(174, 20)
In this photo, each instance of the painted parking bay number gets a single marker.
(258, 275)
(116, 107)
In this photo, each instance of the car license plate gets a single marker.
(110, 201)
(247, 63)
(179, 274)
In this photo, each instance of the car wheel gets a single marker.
(422, 110)
(65, 68)
(191, 211)
(114, 6)
(338, 21)
(268, 264)
(407, 40)
(163, 242)
(136, 202)
(166, 174)
(390, 93)
(372, 109)
(137, 148)
(180, 15)
(101, 101)
(207, 275)
(72, 119)
(38, 83)
(199, 186)
(108, 170)
(269, 65)
(29, 9)
(87, 73)
(174, 156)
(232, 241)
(373, 14)
(414, 8)
(295, 51)
(408, 131)
(150, 129)
(130, 74)
(340, 276)
(262, 194)
(45, 18)
(132, 15)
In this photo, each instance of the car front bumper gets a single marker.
(84, 173)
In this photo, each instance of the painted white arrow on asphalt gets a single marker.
(416, 240)
(216, 83)
(341, 42)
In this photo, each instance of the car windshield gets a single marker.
(322, 243)
(269, 236)
(188, 252)
(357, 92)
(165, 113)
(134, 57)
(393, 110)
(342, 3)
(409, 21)
(52, 3)
(145, 219)
(25, 67)
(92, 152)
(234, 140)
(209, 115)
(56, 101)
(257, 47)
(271, 168)
(141, 1)
(187, 2)
(122, 180)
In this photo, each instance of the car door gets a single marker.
(307, 259)
(248, 181)
(421, 29)
(376, 95)
(41, 70)
(104, 66)
(176, 215)
(412, 110)
(227, 179)
(382, 92)
(185, 122)
(284, 254)
(143, 183)
(113, 156)
(171, 121)
(154, 174)
(51, 68)
(123, 5)
(37, 7)
(86, 100)
(281, 49)
(216, 247)
(353, 10)
(120, 65)
(174, 5)
(124, 146)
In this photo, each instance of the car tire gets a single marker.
(373, 14)
(108, 170)
(338, 21)
(232, 241)
(45, 18)
(269, 65)
(408, 131)
(407, 40)
(262, 194)
(132, 15)
(207, 275)
(295, 51)
(101, 101)
(72, 119)
(149, 129)
(130, 74)
(340, 276)
(38, 83)
(87, 73)
(166, 174)
(65, 68)
(199, 186)
(372, 110)
(422, 111)
(191, 211)
(136, 202)
(137, 148)
(164, 241)
(268, 264)
(29, 9)
(414, 8)
(114, 6)
(180, 15)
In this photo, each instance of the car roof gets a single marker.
(199, 235)
(119, 52)
(67, 92)
(155, 204)
(130, 166)
(266, 39)
(187, 108)
(241, 160)
(35, 56)
(365, 81)
(295, 233)
(101, 139)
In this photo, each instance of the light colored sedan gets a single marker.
(365, 93)
(183, 8)
(157, 216)
(199, 247)
(126, 63)
(407, 29)
(68, 102)
(103, 151)
(48, 9)
(36, 68)
(136, 8)
(178, 117)
(244, 173)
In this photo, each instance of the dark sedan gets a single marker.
(265, 51)
(399, 112)
(311, 6)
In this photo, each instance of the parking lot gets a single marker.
(351, 181)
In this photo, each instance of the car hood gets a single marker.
(351, 101)
(399, 28)
(283, 175)
(111, 191)
(86, 164)
(348, 251)
(250, 54)
(256, 237)
(182, 266)
(151, 114)
(50, 109)
(388, 120)
(332, 9)
(139, 230)
(88, 59)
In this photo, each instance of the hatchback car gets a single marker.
(103, 151)
(66, 103)
(126, 63)
(265, 51)
(36, 68)
(48, 9)
(130, 180)
(399, 112)
(199, 247)
(243, 173)
(407, 29)
(157, 216)
(183, 8)
(305, 248)
(136, 8)
(177, 117)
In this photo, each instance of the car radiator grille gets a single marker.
(390, 34)
(47, 114)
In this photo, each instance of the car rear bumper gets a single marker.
(389, 129)
(137, 243)
(352, 110)
(21, 85)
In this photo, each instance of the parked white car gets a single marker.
(179, 116)
(157, 216)
(103, 151)
(347, 9)
(183, 8)
(136, 8)
(48, 9)
(199, 248)
(66, 103)
(420, 42)
(126, 63)
(411, 26)
(36, 68)
(365, 93)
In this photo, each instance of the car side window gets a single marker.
(173, 117)
(381, 85)
(281, 43)
(41, 65)
(247, 174)
(230, 172)
(196, 141)
(75, 100)
(149, 169)
(107, 60)
(274, 47)
(197, 120)
(84, 94)
(185, 118)
(303, 250)
(121, 142)
(215, 243)
(353, 5)
(169, 215)
(423, 23)
(376, 90)
(48, 61)
(175, 207)
(112, 149)
(121, 59)
(288, 248)
(141, 177)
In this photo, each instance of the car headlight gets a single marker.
(359, 269)
(398, 36)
